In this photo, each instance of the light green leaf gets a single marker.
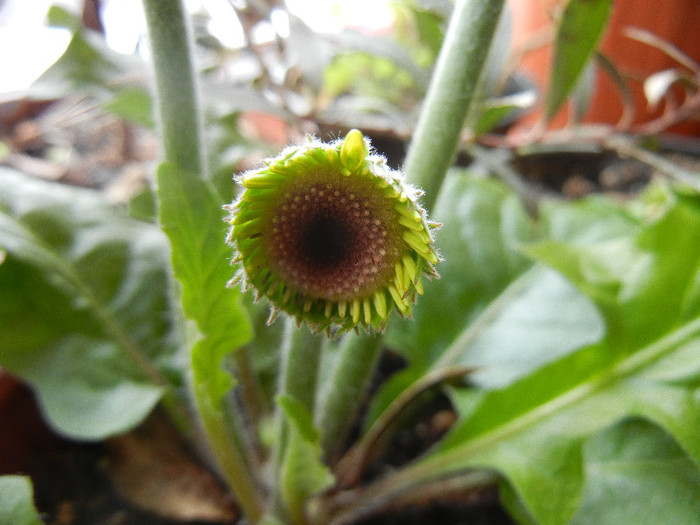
(4, 151)
(496, 111)
(133, 104)
(58, 16)
(581, 27)
(16, 502)
(84, 306)
(303, 474)
(537, 319)
(582, 92)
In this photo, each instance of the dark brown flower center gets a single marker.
(333, 239)
(326, 240)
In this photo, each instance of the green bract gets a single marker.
(331, 235)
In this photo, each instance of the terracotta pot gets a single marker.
(676, 21)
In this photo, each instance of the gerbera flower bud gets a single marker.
(332, 236)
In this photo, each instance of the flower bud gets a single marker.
(332, 236)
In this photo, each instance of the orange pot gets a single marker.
(676, 21)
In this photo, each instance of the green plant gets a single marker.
(568, 343)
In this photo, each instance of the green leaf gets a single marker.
(215, 322)
(581, 27)
(582, 93)
(133, 103)
(83, 306)
(303, 474)
(641, 284)
(491, 309)
(142, 206)
(496, 111)
(534, 430)
(60, 17)
(4, 151)
(636, 473)
(16, 502)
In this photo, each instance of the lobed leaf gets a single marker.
(214, 322)
(192, 217)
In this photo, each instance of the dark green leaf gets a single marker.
(636, 473)
(16, 502)
(533, 431)
(84, 306)
(142, 206)
(483, 227)
(580, 28)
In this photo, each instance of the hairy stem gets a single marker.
(301, 354)
(451, 93)
(342, 396)
(300, 360)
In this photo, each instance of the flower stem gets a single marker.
(351, 375)
(176, 88)
(451, 93)
(301, 353)
(300, 357)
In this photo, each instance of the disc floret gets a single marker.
(332, 236)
